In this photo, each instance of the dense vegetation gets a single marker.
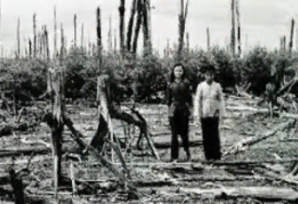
(28, 76)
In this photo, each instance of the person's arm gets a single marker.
(222, 102)
(189, 99)
(197, 103)
(168, 97)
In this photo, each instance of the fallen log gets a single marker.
(242, 145)
(261, 193)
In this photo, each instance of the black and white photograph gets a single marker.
(148, 101)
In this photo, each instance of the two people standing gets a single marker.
(208, 106)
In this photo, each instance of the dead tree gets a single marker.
(130, 24)
(238, 27)
(284, 43)
(187, 42)
(110, 36)
(208, 39)
(291, 35)
(182, 22)
(82, 35)
(99, 39)
(54, 119)
(55, 32)
(75, 29)
(30, 48)
(107, 106)
(122, 26)
(34, 36)
(233, 31)
(46, 38)
(18, 38)
(146, 39)
(137, 27)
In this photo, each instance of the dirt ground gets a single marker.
(157, 184)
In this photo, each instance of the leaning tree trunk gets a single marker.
(110, 110)
(145, 26)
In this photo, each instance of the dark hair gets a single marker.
(208, 67)
(172, 76)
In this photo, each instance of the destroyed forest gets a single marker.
(89, 124)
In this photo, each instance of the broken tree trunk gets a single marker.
(262, 193)
(109, 110)
(242, 145)
(54, 119)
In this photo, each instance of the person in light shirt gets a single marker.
(209, 107)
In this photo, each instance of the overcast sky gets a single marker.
(263, 21)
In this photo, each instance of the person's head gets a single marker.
(177, 72)
(209, 73)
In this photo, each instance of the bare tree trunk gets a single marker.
(284, 43)
(239, 28)
(34, 36)
(46, 36)
(292, 35)
(110, 36)
(55, 32)
(182, 21)
(137, 27)
(149, 26)
(18, 38)
(115, 41)
(30, 48)
(82, 35)
(130, 24)
(75, 30)
(208, 40)
(122, 26)
(233, 34)
(187, 43)
(62, 49)
(99, 39)
(145, 26)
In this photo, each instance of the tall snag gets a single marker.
(99, 39)
(55, 32)
(34, 36)
(238, 27)
(75, 30)
(18, 39)
(291, 35)
(122, 26)
(137, 27)
(182, 22)
(233, 31)
(130, 24)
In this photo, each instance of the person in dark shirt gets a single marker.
(179, 101)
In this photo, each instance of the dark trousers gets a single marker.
(179, 126)
(211, 140)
